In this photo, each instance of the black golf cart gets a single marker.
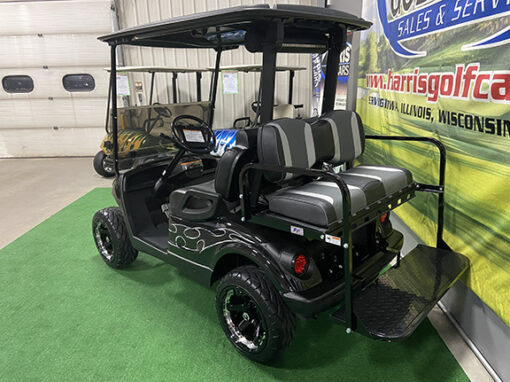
(270, 223)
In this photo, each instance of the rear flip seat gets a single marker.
(320, 202)
(393, 179)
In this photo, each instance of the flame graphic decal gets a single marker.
(198, 239)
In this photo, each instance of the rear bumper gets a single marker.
(331, 293)
(310, 304)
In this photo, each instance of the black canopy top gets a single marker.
(227, 28)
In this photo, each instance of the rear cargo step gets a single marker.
(394, 305)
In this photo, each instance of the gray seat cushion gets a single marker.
(320, 202)
(393, 179)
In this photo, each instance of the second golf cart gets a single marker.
(143, 128)
(278, 232)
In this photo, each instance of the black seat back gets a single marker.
(286, 142)
(293, 143)
(336, 137)
(231, 163)
(345, 130)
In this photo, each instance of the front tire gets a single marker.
(101, 167)
(253, 315)
(112, 238)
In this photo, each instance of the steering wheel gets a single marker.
(162, 111)
(197, 138)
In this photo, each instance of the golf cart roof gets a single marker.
(166, 69)
(226, 28)
(159, 69)
(258, 68)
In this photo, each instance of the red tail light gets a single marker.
(384, 217)
(300, 264)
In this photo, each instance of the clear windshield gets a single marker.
(144, 131)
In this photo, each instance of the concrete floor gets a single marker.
(31, 190)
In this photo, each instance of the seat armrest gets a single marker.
(434, 141)
(439, 189)
(195, 205)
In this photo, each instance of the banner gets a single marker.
(441, 68)
(318, 76)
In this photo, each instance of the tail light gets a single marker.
(300, 264)
(384, 217)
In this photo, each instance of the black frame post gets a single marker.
(214, 87)
(291, 85)
(113, 83)
(268, 81)
(108, 104)
(199, 86)
(174, 86)
(273, 39)
(151, 93)
(337, 44)
(153, 75)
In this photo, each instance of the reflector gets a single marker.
(300, 264)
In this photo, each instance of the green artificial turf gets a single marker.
(66, 316)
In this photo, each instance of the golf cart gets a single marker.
(280, 110)
(143, 128)
(272, 225)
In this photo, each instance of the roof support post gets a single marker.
(267, 79)
(151, 93)
(214, 87)
(113, 85)
(291, 85)
(108, 109)
(272, 42)
(337, 44)
(174, 86)
(199, 86)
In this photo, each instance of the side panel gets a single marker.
(198, 248)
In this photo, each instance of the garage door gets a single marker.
(53, 86)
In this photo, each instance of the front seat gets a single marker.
(210, 199)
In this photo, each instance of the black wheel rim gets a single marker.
(245, 324)
(103, 240)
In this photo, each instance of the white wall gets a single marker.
(47, 40)
(228, 107)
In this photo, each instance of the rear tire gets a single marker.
(100, 166)
(112, 238)
(253, 315)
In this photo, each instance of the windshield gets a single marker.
(144, 131)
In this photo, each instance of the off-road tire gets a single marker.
(99, 165)
(117, 252)
(279, 320)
